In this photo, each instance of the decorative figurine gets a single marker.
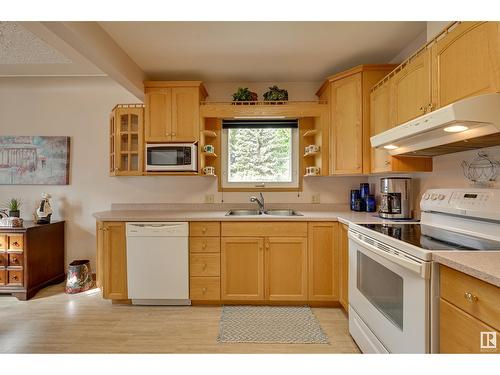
(44, 211)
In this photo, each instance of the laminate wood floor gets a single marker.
(54, 322)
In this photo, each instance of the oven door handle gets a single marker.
(412, 265)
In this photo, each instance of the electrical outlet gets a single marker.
(209, 198)
(315, 198)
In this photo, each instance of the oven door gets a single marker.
(389, 292)
(171, 157)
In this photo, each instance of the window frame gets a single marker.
(294, 185)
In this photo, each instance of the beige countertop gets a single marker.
(484, 265)
(220, 215)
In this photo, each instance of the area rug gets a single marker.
(270, 324)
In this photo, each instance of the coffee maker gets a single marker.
(396, 198)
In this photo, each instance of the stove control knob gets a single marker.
(434, 196)
(441, 197)
(425, 196)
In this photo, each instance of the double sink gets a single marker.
(283, 212)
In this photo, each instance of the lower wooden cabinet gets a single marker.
(469, 313)
(285, 268)
(242, 268)
(112, 260)
(323, 261)
(344, 266)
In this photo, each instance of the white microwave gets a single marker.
(179, 157)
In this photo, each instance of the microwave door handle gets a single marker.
(404, 262)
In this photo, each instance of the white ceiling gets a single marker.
(24, 53)
(259, 51)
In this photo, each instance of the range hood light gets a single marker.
(455, 129)
(390, 147)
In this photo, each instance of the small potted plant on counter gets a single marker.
(13, 206)
(275, 94)
(243, 94)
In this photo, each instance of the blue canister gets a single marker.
(364, 190)
(355, 195)
(370, 203)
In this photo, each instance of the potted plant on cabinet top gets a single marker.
(13, 206)
(243, 94)
(275, 94)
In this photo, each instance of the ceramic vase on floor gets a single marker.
(79, 277)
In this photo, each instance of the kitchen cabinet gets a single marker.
(465, 62)
(348, 94)
(411, 89)
(242, 268)
(172, 110)
(204, 261)
(323, 261)
(382, 99)
(112, 260)
(126, 140)
(468, 307)
(344, 266)
(285, 268)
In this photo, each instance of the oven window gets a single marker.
(382, 287)
(165, 156)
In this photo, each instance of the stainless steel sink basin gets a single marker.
(243, 213)
(283, 213)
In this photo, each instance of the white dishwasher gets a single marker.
(158, 263)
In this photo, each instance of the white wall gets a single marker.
(79, 108)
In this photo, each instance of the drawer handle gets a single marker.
(15, 277)
(470, 297)
(15, 243)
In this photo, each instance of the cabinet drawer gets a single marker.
(3, 242)
(15, 242)
(15, 277)
(204, 228)
(474, 296)
(204, 288)
(460, 332)
(263, 229)
(15, 259)
(3, 276)
(4, 258)
(204, 264)
(204, 244)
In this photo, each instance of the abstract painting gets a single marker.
(34, 160)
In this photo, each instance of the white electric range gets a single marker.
(393, 283)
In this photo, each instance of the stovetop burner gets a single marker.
(432, 238)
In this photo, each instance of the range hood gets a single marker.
(468, 124)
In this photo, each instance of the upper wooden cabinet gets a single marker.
(465, 62)
(126, 140)
(172, 111)
(382, 119)
(411, 89)
(348, 94)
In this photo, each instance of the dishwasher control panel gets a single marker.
(157, 229)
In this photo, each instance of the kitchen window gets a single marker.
(260, 154)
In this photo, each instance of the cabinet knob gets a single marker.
(203, 230)
(203, 290)
(15, 277)
(470, 297)
(204, 267)
(167, 134)
(204, 245)
(387, 162)
(430, 107)
(173, 134)
(422, 109)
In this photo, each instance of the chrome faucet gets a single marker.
(259, 202)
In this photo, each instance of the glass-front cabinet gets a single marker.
(126, 145)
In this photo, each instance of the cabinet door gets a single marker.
(115, 261)
(113, 168)
(286, 268)
(411, 89)
(465, 62)
(185, 114)
(323, 262)
(158, 115)
(380, 121)
(242, 268)
(129, 145)
(344, 266)
(346, 122)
